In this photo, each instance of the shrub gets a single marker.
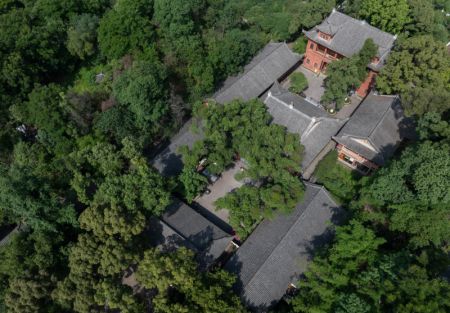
(298, 82)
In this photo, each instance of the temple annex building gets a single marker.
(340, 36)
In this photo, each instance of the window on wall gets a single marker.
(362, 168)
(332, 54)
(311, 46)
(321, 49)
(308, 61)
(347, 159)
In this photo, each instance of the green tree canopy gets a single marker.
(388, 15)
(125, 28)
(428, 18)
(33, 190)
(341, 181)
(82, 35)
(418, 70)
(298, 82)
(357, 275)
(142, 90)
(411, 194)
(272, 155)
(116, 176)
(181, 288)
(43, 112)
(347, 74)
(192, 182)
(30, 295)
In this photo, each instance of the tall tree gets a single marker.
(181, 288)
(143, 91)
(43, 112)
(388, 15)
(273, 158)
(347, 74)
(82, 35)
(125, 28)
(411, 194)
(30, 295)
(418, 70)
(357, 275)
(428, 19)
(182, 41)
(34, 192)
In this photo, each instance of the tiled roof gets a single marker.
(376, 128)
(271, 63)
(278, 251)
(169, 162)
(349, 35)
(302, 117)
(208, 239)
(161, 235)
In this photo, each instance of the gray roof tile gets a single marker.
(300, 116)
(278, 251)
(169, 162)
(271, 63)
(349, 35)
(380, 121)
(210, 240)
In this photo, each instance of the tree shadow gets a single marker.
(212, 217)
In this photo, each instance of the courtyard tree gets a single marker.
(244, 205)
(298, 82)
(272, 157)
(347, 74)
(193, 183)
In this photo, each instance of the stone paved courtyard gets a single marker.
(220, 188)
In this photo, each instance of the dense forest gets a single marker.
(89, 89)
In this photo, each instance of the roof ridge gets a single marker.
(282, 238)
(178, 233)
(321, 187)
(381, 119)
(287, 105)
(311, 126)
(279, 44)
(353, 19)
(328, 194)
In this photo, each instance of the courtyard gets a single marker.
(315, 88)
(225, 184)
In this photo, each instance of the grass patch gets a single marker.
(341, 182)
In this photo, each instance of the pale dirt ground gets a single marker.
(220, 188)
